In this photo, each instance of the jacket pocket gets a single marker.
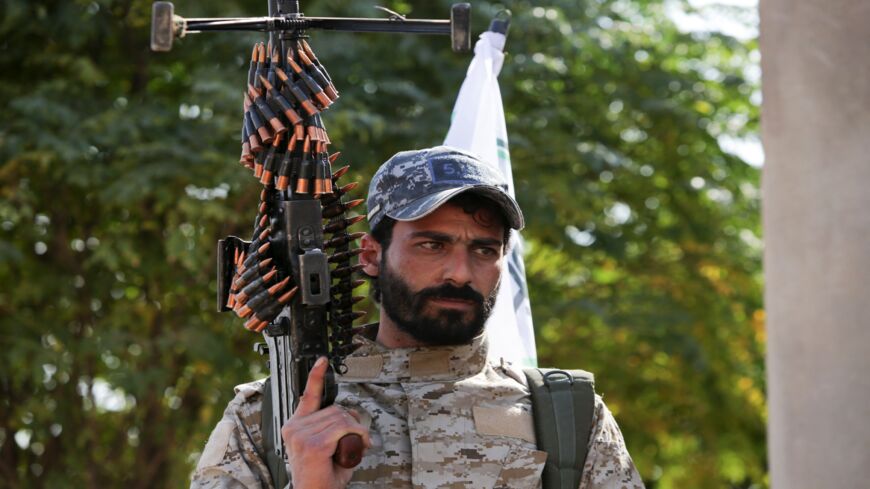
(522, 469)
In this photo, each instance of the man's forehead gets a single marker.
(453, 219)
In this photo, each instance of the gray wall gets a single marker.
(816, 197)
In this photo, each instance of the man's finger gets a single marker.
(310, 401)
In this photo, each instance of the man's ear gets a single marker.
(370, 258)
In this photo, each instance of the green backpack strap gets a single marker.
(275, 463)
(563, 402)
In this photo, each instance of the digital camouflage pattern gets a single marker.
(412, 184)
(439, 417)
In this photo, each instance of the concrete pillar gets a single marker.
(816, 214)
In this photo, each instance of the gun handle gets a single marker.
(349, 451)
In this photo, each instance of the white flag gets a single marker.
(478, 126)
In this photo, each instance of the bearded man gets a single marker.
(431, 409)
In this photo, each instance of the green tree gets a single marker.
(119, 173)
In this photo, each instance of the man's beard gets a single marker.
(443, 327)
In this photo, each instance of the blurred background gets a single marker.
(633, 135)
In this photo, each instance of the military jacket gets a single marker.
(438, 417)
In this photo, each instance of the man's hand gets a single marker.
(311, 436)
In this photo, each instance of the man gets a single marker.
(431, 410)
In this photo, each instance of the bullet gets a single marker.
(338, 193)
(312, 133)
(252, 69)
(335, 209)
(306, 168)
(318, 75)
(341, 171)
(269, 163)
(285, 168)
(346, 271)
(257, 242)
(345, 287)
(246, 276)
(343, 239)
(251, 130)
(284, 299)
(286, 106)
(253, 258)
(262, 297)
(264, 134)
(273, 311)
(348, 301)
(276, 61)
(344, 255)
(256, 325)
(267, 112)
(349, 317)
(284, 172)
(261, 61)
(309, 82)
(255, 286)
(246, 157)
(297, 92)
(260, 222)
(321, 176)
(264, 248)
(310, 53)
(347, 188)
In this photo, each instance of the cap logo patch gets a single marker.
(445, 171)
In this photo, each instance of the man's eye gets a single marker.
(487, 251)
(431, 245)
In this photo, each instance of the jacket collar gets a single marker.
(372, 362)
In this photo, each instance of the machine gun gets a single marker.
(294, 280)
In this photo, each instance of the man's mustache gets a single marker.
(447, 291)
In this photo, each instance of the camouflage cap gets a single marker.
(412, 184)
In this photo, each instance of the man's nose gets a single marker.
(457, 269)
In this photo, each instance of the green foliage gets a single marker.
(119, 175)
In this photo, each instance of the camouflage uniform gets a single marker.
(438, 417)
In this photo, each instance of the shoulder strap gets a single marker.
(275, 463)
(563, 403)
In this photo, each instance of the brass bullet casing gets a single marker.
(344, 255)
(335, 209)
(269, 164)
(341, 171)
(256, 286)
(315, 89)
(265, 135)
(343, 239)
(306, 169)
(285, 168)
(346, 287)
(350, 317)
(286, 106)
(253, 136)
(256, 325)
(346, 271)
(261, 61)
(318, 75)
(252, 69)
(310, 53)
(297, 92)
(348, 301)
(338, 193)
(267, 111)
(341, 223)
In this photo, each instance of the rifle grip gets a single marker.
(349, 451)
